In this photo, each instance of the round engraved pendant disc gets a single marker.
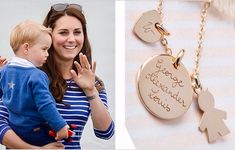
(165, 91)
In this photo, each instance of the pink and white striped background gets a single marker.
(217, 73)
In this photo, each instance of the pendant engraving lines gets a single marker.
(148, 28)
(165, 91)
(153, 78)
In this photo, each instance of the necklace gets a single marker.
(212, 118)
(163, 83)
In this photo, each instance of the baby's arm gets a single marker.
(45, 103)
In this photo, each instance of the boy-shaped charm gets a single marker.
(212, 118)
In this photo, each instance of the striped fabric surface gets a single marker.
(217, 73)
(78, 113)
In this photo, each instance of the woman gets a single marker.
(78, 92)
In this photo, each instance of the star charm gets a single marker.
(11, 85)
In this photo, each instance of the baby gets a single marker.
(25, 89)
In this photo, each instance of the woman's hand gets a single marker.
(3, 61)
(54, 145)
(85, 77)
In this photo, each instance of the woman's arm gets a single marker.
(99, 110)
(7, 135)
(99, 115)
(85, 78)
(11, 140)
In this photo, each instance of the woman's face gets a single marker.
(67, 37)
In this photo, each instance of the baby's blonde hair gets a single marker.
(26, 32)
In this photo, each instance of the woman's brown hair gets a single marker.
(58, 84)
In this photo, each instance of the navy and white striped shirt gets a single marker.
(77, 112)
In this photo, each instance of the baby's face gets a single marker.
(38, 52)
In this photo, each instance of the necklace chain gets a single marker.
(195, 75)
(160, 10)
(200, 38)
(164, 42)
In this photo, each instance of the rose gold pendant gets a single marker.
(164, 86)
(145, 28)
(212, 118)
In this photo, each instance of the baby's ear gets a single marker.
(25, 46)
